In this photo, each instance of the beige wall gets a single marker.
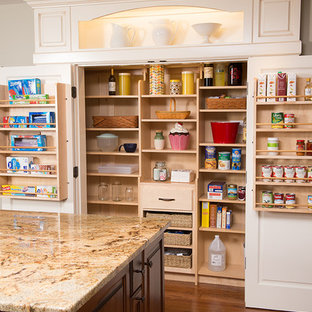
(16, 34)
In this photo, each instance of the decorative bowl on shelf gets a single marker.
(206, 30)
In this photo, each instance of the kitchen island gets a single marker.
(61, 262)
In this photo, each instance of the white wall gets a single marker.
(16, 35)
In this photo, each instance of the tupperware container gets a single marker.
(107, 142)
(224, 131)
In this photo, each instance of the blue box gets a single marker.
(18, 88)
(41, 117)
(35, 141)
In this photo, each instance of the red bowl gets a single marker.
(224, 131)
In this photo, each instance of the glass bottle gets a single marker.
(308, 90)
(160, 172)
(159, 140)
(103, 191)
(235, 74)
(116, 191)
(129, 196)
(300, 146)
(219, 75)
(112, 83)
(208, 75)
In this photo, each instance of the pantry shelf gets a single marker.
(236, 228)
(284, 184)
(178, 246)
(223, 144)
(99, 153)
(29, 129)
(204, 198)
(169, 120)
(169, 96)
(284, 130)
(23, 197)
(283, 103)
(112, 129)
(29, 152)
(36, 176)
(231, 271)
(285, 210)
(223, 110)
(177, 228)
(178, 270)
(222, 171)
(169, 151)
(283, 157)
(223, 88)
(98, 174)
(95, 200)
(111, 97)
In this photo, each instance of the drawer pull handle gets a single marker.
(149, 263)
(140, 299)
(140, 271)
(166, 199)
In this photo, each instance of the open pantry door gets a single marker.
(50, 76)
(278, 244)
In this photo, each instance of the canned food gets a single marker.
(175, 86)
(236, 158)
(310, 201)
(267, 198)
(232, 191)
(224, 161)
(289, 118)
(290, 200)
(210, 157)
(301, 173)
(277, 172)
(309, 169)
(289, 173)
(241, 193)
(278, 199)
(267, 173)
(277, 118)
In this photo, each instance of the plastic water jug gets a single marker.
(216, 255)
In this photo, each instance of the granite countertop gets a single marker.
(51, 262)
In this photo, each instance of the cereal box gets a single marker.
(261, 90)
(46, 191)
(28, 142)
(271, 87)
(42, 118)
(16, 164)
(20, 190)
(291, 86)
(5, 189)
(17, 88)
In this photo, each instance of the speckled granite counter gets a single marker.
(57, 262)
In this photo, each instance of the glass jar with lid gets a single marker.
(160, 172)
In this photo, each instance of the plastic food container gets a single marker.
(107, 142)
(224, 131)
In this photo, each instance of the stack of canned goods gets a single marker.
(278, 199)
(156, 80)
(234, 193)
(288, 174)
(278, 119)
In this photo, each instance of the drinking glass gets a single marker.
(103, 191)
(116, 191)
(129, 196)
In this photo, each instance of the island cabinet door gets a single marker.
(154, 277)
(113, 297)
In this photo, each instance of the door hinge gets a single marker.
(74, 92)
(75, 172)
(245, 263)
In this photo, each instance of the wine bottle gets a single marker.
(208, 75)
(112, 83)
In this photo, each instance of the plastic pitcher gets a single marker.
(216, 255)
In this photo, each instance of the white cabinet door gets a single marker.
(49, 75)
(278, 245)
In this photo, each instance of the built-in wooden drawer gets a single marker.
(167, 196)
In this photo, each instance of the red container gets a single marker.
(224, 131)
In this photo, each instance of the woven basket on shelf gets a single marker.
(172, 113)
(223, 103)
(180, 239)
(178, 220)
(115, 121)
(184, 262)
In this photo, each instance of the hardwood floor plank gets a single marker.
(187, 297)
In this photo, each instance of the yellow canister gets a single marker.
(124, 84)
(187, 82)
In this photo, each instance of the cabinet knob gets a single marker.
(149, 263)
(140, 271)
(140, 298)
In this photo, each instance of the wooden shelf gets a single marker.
(178, 270)
(223, 88)
(98, 174)
(223, 144)
(44, 176)
(177, 228)
(231, 271)
(166, 182)
(223, 110)
(236, 229)
(168, 210)
(111, 97)
(95, 200)
(112, 129)
(29, 152)
(285, 130)
(169, 96)
(284, 103)
(294, 184)
(284, 210)
(222, 171)
(29, 129)
(30, 198)
(178, 246)
(204, 198)
(26, 105)
(282, 157)
(168, 120)
(169, 151)
(99, 153)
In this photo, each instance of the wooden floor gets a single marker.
(186, 297)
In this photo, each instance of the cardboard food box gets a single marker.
(216, 190)
(15, 164)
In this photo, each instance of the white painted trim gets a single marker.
(181, 53)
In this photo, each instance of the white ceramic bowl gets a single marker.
(206, 30)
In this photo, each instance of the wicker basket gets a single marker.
(172, 113)
(178, 220)
(175, 261)
(223, 103)
(115, 121)
(180, 239)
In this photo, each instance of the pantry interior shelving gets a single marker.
(31, 184)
